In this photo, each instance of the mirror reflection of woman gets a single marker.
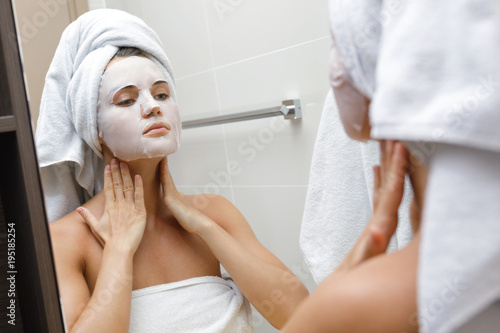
(138, 255)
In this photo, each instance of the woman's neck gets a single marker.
(149, 172)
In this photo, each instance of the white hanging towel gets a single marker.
(340, 196)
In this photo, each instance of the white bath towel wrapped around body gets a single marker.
(207, 304)
(67, 141)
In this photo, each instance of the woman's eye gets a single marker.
(126, 102)
(161, 97)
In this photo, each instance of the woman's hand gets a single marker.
(190, 218)
(387, 196)
(124, 219)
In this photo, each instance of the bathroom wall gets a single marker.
(234, 56)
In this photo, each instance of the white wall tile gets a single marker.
(132, 7)
(275, 215)
(273, 151)
(226, 192)
(200, 158)
(96, 4)
(197, 96)
(182, 28)
(242, 29)
(264, 81)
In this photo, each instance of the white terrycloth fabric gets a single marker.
(434, 69)
(437, 72)
(459, 272)
(207, 304)
(357, 34)
(67, 139)
(340, 196)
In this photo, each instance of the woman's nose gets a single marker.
(155, 110)
(151, 110)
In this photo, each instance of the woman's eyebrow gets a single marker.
(116, 89)
(157, 82)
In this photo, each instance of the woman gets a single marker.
(138, 255)
(371, 291)
(424, 74)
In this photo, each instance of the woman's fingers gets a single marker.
(391, 174)
(378, 241)
(166, 178)
(91, 222)
(389, 151)
(382, 160)
(165, 173)
(390, 191)
(117, 180)
(88, 217)
(415, 215)
(376, 177)
(128, 186)
(139, 194)
(108, 186)
(371, 243)
(397, 171)
(120, 224)
(376, 186)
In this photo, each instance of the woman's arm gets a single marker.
(264, 280)
(119, 231)
(375, 295)
(108, 308)
(388, 190)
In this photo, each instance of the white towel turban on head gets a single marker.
(67, 139)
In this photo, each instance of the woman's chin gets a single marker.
(153, 153)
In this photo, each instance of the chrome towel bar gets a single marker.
(290, 109)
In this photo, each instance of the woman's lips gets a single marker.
(156, 130)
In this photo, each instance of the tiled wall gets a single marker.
(233, 56)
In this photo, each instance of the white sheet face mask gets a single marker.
(136, 117)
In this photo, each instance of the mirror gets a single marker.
(228, 56)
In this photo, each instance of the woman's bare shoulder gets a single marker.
(70, 231)
(206, 201)
(218, 208)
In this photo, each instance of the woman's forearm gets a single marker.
(275, 292)
(108, 309)
(262, 278)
